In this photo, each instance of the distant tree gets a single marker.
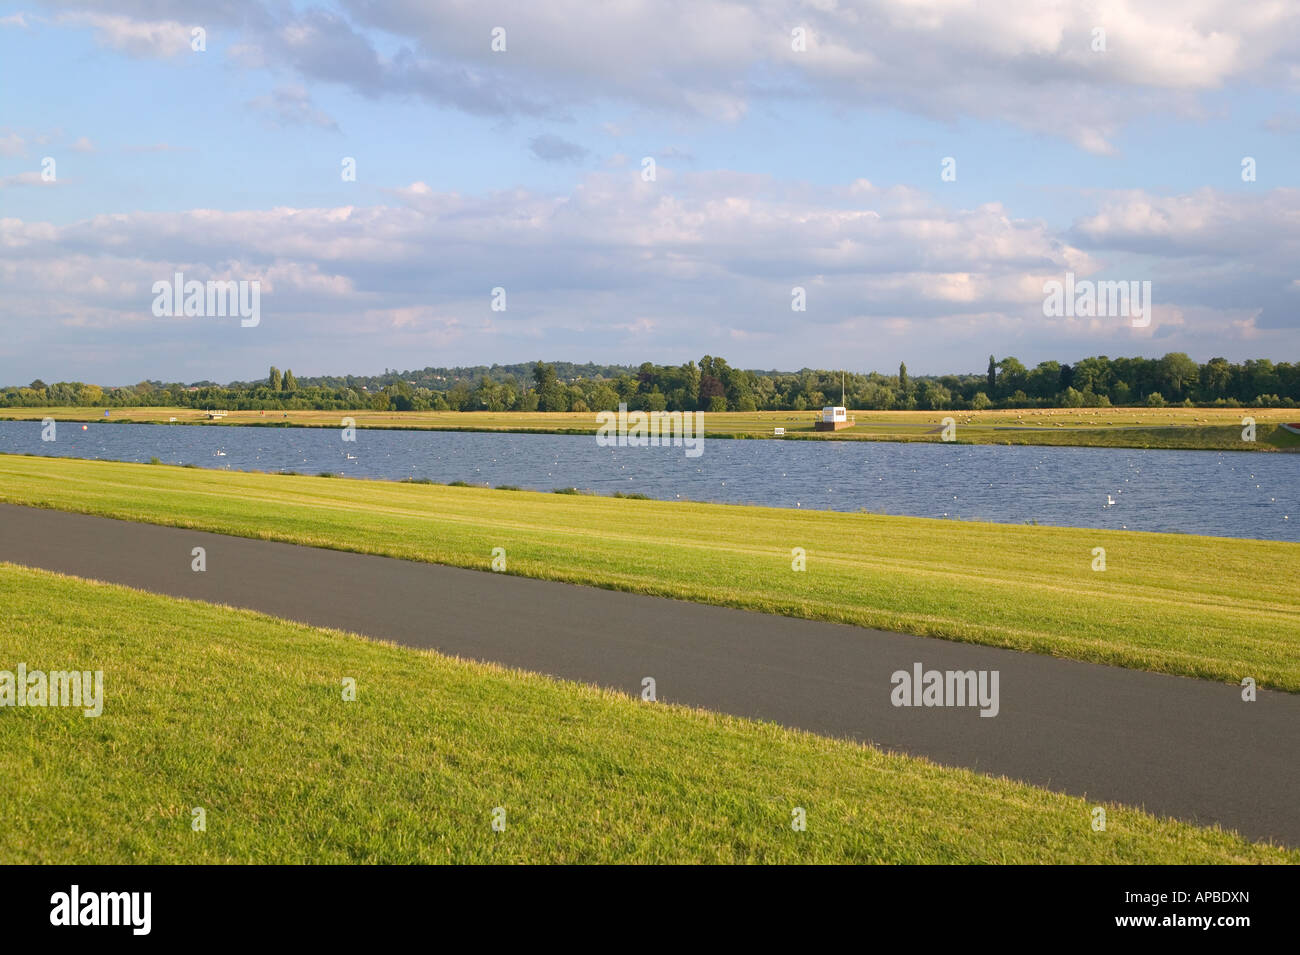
(1216, 378)
(981, 401)
(552, 394)
(555, 397)
(400, 396)
(1070, 398)
(274, 380)
(690, 376)
(1177, 374)
(290, 382)
(543, 376)
(1093, 374)
(626, 386)
(710, 389)
(486, 396)
(1012, 377)
(932, 396)
(904, 385)
(458, 398)
(992, 376)
(1045, 380)
(602, 397)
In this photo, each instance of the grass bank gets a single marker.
(243, 715)
(1206, 607)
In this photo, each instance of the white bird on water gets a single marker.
(1109, 500)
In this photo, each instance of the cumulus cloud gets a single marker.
(1037, 65)
(1218, 249)
(160, 39)
(323, 46)
(620, 263)
(1075, 70)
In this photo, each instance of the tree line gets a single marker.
(711, 384)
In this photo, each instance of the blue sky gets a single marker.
(521, 169)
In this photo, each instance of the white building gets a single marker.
(833, 418)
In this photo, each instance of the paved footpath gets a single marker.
(1178, 747)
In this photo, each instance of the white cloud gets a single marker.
(292, 105)
(161, 39)
(11, 144)
(675, 267)
(25, 179)
(1032, 64)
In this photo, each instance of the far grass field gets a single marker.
(1214, 608)
(242, 715)
(1185, 428)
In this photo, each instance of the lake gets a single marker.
(1226, 494)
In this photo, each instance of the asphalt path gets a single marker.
(1178, 747)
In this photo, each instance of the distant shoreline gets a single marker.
(1186, 429)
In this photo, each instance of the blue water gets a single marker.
(1226, 494)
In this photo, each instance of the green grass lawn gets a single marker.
(1181, 428)
(1206, 607)
(242, 715)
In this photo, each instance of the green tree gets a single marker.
(992, 377)
(543, 376)
(932, 396)
(1045, 380)
(1070, 398)
(90, 395)
(1177, 375)
(400, 396)
(290, 382)
(1012, 377)
(274, 381)
(458, 397)
(1216, 378)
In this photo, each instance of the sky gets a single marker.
(646, 180)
